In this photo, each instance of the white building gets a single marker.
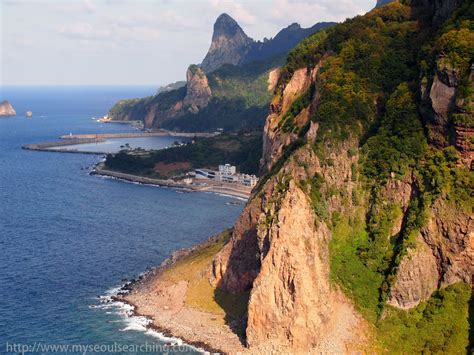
(227, 169)
(227, 173)
(229, 178)
(205, 174)
(248, 180)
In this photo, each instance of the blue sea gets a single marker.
(67, 237)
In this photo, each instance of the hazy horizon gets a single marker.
(134, 43)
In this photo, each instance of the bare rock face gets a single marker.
(273, 140)
(450, 234)
(417, 277)
(198, 92)
(273, 79)
(444, 255)
(229, 44)
(439, 102)
(6, 109)
(290, 299)
(238, 263)
(399, 192)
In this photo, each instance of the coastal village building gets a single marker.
(227, 169)
(227, 173)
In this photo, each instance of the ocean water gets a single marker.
(116, 144)
(67, 238)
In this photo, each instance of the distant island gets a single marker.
(6, 109)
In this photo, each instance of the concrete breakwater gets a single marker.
(75, 139)
(138, 135)
(56, 146)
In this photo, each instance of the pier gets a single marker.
(105, 136)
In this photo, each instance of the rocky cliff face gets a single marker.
(198, 92)
(229, 44)
(168, 105)
(6, 109)
(448, 117)
(280, 247)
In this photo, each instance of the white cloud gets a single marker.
(89, 6)
(307, 12)
(109, 32)
(146, 36)
(235, 9)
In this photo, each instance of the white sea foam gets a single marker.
(228, 195)
(133, 322)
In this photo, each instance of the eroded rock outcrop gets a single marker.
(273, 139)
(229, 44)
(198, 92)
(446, 116)
(444, 255)
(292, 305)
(450, 234)
(417, 277)
(290, 299)
(6, 109)
(279, 249)
(439, 101)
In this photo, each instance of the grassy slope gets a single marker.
(201, 295)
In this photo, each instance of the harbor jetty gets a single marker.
(58, 145)
(61, 146)
(161, 133)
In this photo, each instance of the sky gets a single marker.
(135, 42)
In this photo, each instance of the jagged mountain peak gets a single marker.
(229, 44)
(294, 26)
(225, 25)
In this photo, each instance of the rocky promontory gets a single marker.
(6, 109)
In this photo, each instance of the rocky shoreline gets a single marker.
(221, 189)
(187, 333)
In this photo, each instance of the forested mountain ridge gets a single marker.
(230, 44)
(229, 90)
(360, 233)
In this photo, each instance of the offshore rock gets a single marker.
(6, 109)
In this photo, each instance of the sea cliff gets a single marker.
(359, 235)
(6, 109)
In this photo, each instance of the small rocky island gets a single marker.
(6, 109)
